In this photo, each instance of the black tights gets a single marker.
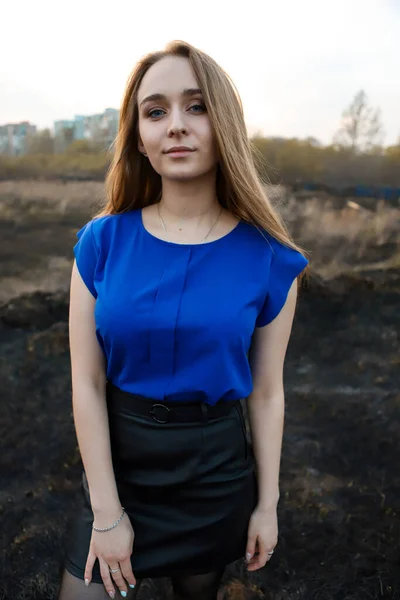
(186, 587)
(197, 587)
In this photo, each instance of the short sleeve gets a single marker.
(286, 264)
(86, 255)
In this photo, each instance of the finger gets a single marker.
(120, 581)
(251, 547)
(257, 562)
(269, 556)
(252, 564)
(261, 558)
(106, 577)
(126, 568)
(91, 559)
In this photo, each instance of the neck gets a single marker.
(188, 200)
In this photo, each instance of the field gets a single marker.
(340, 483)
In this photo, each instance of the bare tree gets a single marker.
(361, 127)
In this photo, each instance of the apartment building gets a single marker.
(15, 138)
(102, 128)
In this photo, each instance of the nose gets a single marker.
(177, 122)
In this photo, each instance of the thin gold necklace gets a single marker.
(165, 231)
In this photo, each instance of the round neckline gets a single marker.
(166, 242)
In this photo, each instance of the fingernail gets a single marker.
(248, 556)
(86, 582)
(131, 585)
(123, 593)
(111, 594)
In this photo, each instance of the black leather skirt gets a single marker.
(186, 477)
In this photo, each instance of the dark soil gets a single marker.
(340, 482)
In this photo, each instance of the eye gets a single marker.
(151, 112)
(201, 106)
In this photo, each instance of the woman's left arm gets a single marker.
(266, 406)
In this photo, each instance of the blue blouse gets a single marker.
(175, 321)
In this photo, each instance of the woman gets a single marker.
(185, 268)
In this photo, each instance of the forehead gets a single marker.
(168, 76)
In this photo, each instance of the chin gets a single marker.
(180, 174)
(187, 172)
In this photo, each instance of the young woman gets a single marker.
(183, 295)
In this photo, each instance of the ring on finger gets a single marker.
(114, 570)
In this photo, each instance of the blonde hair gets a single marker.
(131, 182)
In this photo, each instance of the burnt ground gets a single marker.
(340, 481)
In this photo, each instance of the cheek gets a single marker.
(207, 131)
(208, 139)
(149, 136)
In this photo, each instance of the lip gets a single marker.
(179, 150)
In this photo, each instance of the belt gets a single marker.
(165, 412)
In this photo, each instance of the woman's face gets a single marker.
(175, 115)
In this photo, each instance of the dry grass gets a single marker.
(56, 194)
(39, 220)
(346, 239)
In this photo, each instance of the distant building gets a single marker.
(15, 138)
(63, 134)
(61, 126)
(101, 128)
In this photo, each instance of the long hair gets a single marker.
(131, 182)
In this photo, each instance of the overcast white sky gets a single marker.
(297, 64)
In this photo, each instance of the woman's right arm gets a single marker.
(89, 403)
(88, 373)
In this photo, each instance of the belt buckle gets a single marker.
(152, 412)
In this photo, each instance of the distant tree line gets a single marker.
(356, 156)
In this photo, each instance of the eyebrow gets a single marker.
(186, 92)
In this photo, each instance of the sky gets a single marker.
(297, 64)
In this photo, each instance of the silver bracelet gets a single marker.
(112, 526)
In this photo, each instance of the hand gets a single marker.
(113, 549)
(262, 537)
